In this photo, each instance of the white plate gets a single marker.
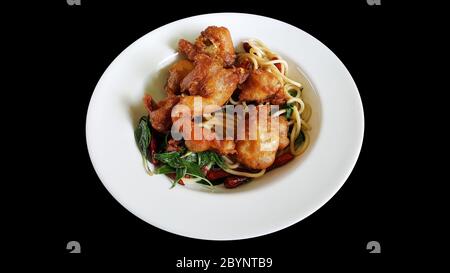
(277, 200)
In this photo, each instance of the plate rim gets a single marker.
(279, 227)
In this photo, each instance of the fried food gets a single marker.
(210, 82)
(214, 41)
(160, 115)
(224, 147)
(207, 141)
(262, 86)
(222, 113)
(200, 80)
(177, 72)
(260, 153)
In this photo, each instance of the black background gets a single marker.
(69, 47)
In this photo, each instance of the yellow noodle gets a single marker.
(306, 114)
(263, 58)
(246, 174)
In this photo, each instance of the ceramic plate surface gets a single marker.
(277, 200)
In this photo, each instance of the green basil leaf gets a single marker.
(300, 139)
(192, 163)
(192, 157)
(165, 141)
(164, 169)
(143, 135)
(193, 168)
(289, 112)
(204, 158)
(180, 173)
(171, 158)
(203, 180)
(218, 160)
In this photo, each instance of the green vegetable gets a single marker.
(218, 160)
(181, 165)
(143, 135)
(164, 169)
(164, 145)
(188, 164)
(180, 173)
(300, 139)
(170, 158)
(175, 162)
(292, 92)
(194, 169)
(203, 180)
(204, 158)
(209, 158)
(289, 110)
(190, 157)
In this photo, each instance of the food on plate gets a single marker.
(213, 41)
(229, 116)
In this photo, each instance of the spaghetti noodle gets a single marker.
(261, 57)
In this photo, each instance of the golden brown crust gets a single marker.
(177, 72)
(278, 99)
(187, 48)
(209, 142)
(210, 82)
(211, 77)
(204, 70)
(148, 103)
(262, 86)
(161, 117)
(260, 153)
(224, 147)
(214, 41)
